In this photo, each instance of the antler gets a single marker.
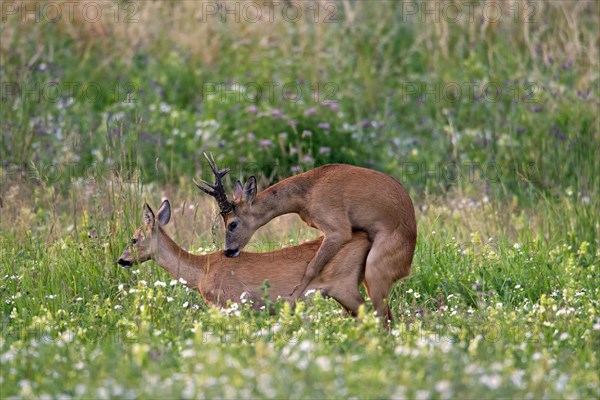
(217, 191)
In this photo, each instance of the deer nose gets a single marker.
(232, 252)
(124, 263)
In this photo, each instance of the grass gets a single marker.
(478, 318)
(503, 300)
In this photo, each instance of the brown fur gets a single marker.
(220, 279)
(336, 199)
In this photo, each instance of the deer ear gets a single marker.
(250, 190)
(237, 192)
(164, 213)
(148, 216)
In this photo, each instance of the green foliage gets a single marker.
(488, 108)
(504, 320)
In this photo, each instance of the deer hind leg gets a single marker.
(349, 298)
(387, 262)
(378, 293)
(330, 246)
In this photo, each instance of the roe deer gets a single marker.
(219, 278)
(336, 199)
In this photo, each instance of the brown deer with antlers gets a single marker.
(337, 199)
(220, 279)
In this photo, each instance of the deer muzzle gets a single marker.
(124, 263)
(232, 252)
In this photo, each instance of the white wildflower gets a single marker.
(491, 381)
(517, 378)
(164, 107)
(244, 297)
(323, 363)
(443, 388)
(585, 200)
(188, 353)
(422, 394)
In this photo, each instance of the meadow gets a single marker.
(487, 112)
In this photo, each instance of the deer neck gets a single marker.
(279, 199)
(177, 262)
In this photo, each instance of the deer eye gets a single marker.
(134, 241)
(232, 226)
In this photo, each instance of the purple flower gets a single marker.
(324, 150)
(557, 132)
(310, 111)
(251, 136)
(296, 168)
(332, 105)
(308, 159)
(324, 125)
(584, 95)
(306, 133)
(568, 64)
(264, 143)
(365, 123)
(537, 109)
(276, 113)
(252, 109)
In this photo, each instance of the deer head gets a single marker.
(144, 244)
(239, 230)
